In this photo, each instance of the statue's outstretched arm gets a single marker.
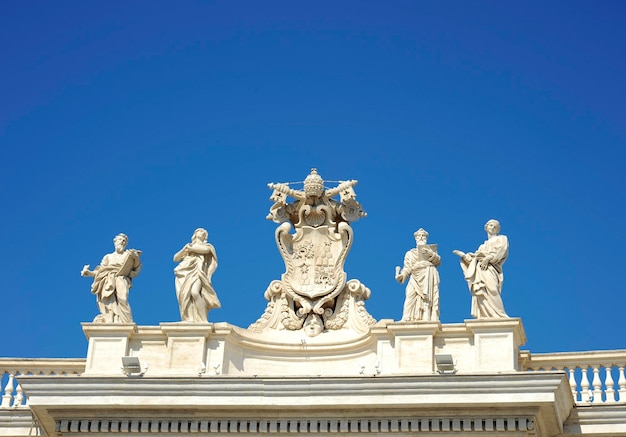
(466, 257)
(86, 272)
(400, 275)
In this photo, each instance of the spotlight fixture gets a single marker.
(445, 364)
(132, 366)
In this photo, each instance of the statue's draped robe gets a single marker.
(111, 288)
(486, 285)
(422, 290)
(193, 268)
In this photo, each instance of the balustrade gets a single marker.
(594, 377)
(11, 394)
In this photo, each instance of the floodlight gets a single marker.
(132, 366)
(445, 363)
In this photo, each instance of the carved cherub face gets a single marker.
(313, 325)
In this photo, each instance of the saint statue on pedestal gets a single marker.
(422, 290)
(483, 273)
(112, 281)
(194, 288)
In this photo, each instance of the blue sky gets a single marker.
(155, 118)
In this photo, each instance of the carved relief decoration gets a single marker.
(313, 288)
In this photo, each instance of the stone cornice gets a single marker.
(597, 420)
(543, 397)
(323, 388)
(17, 421)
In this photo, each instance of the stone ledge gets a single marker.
(18, 421)
(545, 396)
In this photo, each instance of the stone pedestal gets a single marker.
(390, 348)
(108, 343)
(186, 346)
(496, 344)
(414, 346)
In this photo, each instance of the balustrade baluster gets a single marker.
(596, 385)
(610, 392)
(19, 396)
(621, 383)
(572, 383)
(607, 383)
(8, 391)
(584, 385)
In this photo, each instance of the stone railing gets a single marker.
(11, 395)
(595, 377)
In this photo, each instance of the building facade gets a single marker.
(399, 378)
(315, 362)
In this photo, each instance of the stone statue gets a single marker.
(483, 273)
(313, 294)
(112, 281)
(194, 289)
(422, 291)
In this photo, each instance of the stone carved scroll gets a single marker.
(350, 309)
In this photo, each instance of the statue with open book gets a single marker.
(422, 290)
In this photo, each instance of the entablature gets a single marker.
(543, 399)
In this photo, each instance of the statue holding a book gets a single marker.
(112, 281)
(422, 290)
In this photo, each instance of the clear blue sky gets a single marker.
(155, 118)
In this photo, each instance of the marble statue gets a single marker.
(314, 292)
(483, 273)
(422, 290)
(112, 281)
(194, 289)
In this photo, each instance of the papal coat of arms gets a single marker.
(313, 294)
